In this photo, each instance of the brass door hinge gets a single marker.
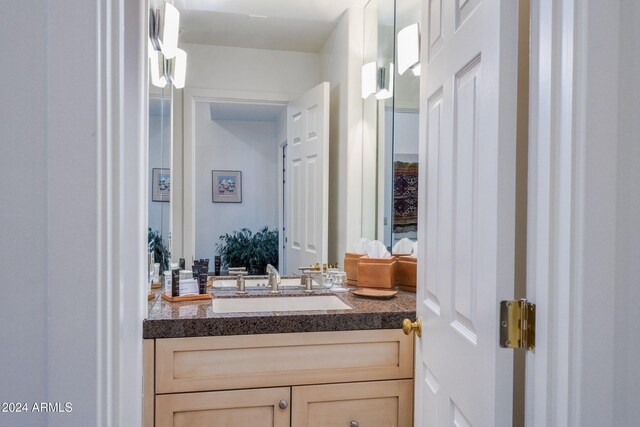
(518, 324)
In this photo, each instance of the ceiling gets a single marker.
(245, 111)
(293, 25)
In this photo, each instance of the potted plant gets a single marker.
(157, 245)
(242, 248)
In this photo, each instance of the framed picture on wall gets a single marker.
(226, 186)
(161, 185)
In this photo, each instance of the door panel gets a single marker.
(308, 175)
(468, 103)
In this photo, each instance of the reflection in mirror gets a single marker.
(238, 147)
(390, 134)
(265, 142)
(159, 145)
(404, 202)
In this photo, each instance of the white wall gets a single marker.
(627, 283)
(71, 144)
(23, 211)
(604, 374)
(248, 146)
(260, 70)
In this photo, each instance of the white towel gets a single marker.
(414, 250)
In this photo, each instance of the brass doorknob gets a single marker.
(416, 326)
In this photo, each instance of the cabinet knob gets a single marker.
(354, 423)
(283, 404)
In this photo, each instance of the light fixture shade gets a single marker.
(409, 48)
(179, 73)
(369, 77)
(169, 29)
(156, 68)
(385, 82)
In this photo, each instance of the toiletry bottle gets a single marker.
(202, 283)
(217, 263)
(175, 283)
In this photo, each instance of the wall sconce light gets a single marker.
(167, 63)
(177, 72)
(164, 26)
(369, 79)
(377, 80)
(156, 68)
(409, 49)
(385, 82)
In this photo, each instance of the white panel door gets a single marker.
(468, 148)
(307, 178)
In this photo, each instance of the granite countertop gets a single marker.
(197, 319)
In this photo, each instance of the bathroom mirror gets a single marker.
(391, 123)
(247, 62)
(159, 179)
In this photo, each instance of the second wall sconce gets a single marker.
(377, 80)
(167, 63)
(409, 49)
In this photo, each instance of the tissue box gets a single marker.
(377, 272)
(406, 273)
(351, 267)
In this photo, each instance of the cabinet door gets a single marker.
(239, 408)
(366, 404)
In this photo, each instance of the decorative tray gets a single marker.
(374, 293)
(186, 297)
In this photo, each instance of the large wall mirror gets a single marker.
(270, 157)
(391, 123)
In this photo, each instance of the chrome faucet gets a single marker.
(274, 279)
(240, 283)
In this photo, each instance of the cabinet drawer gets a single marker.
(239, 408)
(250, 361)
(368, 404)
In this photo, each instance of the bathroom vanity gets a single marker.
(283, 368)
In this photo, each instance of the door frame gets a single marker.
(282, 216)
(190, 97)
(571, 211)
(120, 390)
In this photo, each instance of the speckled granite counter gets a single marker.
(197, 319)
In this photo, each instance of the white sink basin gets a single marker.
(306, 303)
(253, 283)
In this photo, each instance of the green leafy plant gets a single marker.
(158, 246)
(242, 248)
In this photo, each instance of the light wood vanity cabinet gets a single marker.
(350, 378)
